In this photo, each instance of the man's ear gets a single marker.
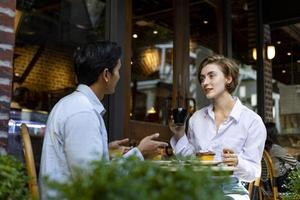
(105, 75)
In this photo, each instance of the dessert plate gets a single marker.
(223, 168)
(209, 162)
(205, 162)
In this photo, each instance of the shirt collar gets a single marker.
(237, 109)
(88, 92)
(235, 112)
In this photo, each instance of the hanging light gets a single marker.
(150, 61)
(270, 52)
(254, 53)
(151, 110)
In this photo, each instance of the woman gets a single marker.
(235, 133)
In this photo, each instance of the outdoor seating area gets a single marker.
(147, 99)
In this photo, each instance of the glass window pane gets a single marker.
(286, 87)
(243, 41)
(152, 60)
(47, 34)
(203, 43)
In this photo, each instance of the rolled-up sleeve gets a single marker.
(249, 160)
(134, 152)
(183, 146)
(82, 139)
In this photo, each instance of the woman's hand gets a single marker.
(178, 131)
(230, 158)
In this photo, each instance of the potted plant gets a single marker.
(293, 186)
(132, 179)
(13, 181)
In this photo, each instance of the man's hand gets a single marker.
(117, 146)
(230, 158)
(178, 131)
(149, 146)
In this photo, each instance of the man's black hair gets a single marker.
(92, 58)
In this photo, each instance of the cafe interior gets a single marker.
(163, 43)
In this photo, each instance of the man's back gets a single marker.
(75, 134)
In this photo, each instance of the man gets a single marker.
(76, 132)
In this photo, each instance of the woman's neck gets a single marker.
(223, 104)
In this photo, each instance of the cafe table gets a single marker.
(216, 167)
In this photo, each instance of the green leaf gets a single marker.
(133, 179)
(13, 184)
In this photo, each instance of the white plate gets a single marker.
(223, 168)
(209, 162)
(205, 162)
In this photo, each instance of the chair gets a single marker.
(254, 190)
(264, 187)
(269, 188)
(29, 161)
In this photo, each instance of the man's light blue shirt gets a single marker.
(75, 135)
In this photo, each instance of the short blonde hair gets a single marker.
(228, 66)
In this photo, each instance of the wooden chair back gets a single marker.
(268, 174)
(254, 190)
(29, 162)
(264, 187)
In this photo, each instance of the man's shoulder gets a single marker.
(73, 103)
(76, 97)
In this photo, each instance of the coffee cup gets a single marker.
(179, 116)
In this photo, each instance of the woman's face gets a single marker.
(213, 82)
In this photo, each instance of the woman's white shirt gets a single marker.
(243, 132)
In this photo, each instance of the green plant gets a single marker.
(13, 182)
(132, 179)
(293, 186)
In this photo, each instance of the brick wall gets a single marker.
(52, 71)
(268, 91)
(268, 79)
(7, 40)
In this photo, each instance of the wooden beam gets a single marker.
(171, 9)
(180, 53)
(119, 30)
(227, 28)
(260, 61)
(17, 19)
(293, 31)
(31, 63)
(213, 3)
